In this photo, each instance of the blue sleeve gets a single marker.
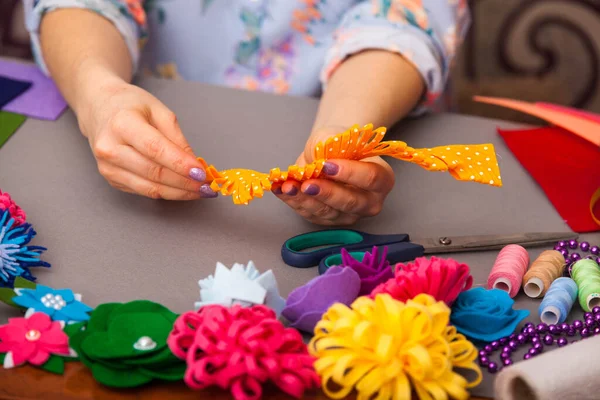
(425, 32)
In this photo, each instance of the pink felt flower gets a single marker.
(444, 279)
(6, 203)
(32, 340)
(240, 349)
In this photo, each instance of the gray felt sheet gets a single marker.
(112, 246)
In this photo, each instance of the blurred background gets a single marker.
(535, 50)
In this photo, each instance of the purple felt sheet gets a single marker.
(42, 100)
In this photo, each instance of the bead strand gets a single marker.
(538, 337)
(565, 247)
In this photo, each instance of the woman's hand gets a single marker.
(348, 191)
(139, 146)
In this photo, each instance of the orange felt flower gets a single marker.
(464, 162)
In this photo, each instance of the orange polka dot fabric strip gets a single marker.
(475, 163)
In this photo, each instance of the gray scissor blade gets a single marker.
(452, 244)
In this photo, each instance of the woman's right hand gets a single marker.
(139, 146)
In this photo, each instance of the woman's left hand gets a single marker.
(348, 191)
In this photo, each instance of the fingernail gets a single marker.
(330, 168)
(277, 190)
(312, 190)
(207, 192)
(198, 174)
(292, 192)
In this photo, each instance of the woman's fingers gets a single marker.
(130, 159)
(134, 129)
(374, 175)
(132, 183)
(166, 122)
(345, 198)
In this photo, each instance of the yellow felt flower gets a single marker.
(386, 349)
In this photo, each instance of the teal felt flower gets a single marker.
(59, 304)
(125, 345)
(485, 315)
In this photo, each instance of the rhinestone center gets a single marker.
(144, 343)
(33, 335)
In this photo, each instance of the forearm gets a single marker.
(84, 52)
(375, 86)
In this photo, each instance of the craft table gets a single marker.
(111, 246)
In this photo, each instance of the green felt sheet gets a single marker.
(55, 364)
(6, 296)
(119, 378)
(9, 123)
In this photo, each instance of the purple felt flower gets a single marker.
(306, 305)
(372, 270)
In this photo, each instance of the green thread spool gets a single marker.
(586, 273)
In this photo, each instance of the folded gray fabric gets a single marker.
(568, 373)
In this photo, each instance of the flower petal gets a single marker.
(40, 291)
(76, 311)
(8, 360)
(39, 321)
(39, 358)
(66, 294)
(54, 337)
(29, 312)
(12, 334)
(23, 351)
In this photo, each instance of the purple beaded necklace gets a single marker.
(571, 258)
(538, 336)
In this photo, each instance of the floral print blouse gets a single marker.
(279, 46)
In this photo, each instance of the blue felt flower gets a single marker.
(59, 304)
(485, 315)
(15, 256)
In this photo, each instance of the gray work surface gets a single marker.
(112, 246)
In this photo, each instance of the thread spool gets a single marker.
(509, 269)
(549, 266)
(558, 301)
(586, 273)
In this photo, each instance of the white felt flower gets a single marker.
(242, 284)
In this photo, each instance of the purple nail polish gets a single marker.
(292, 192)
(312, 190)
(198, 174)
(207, 192)
(277, 190)
(330, 168)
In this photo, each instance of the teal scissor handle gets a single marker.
(330, 242)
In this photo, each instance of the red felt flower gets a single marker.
(240, 349)
(6, 203)
(32, 340)
(444, 279)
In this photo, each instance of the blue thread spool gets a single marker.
(558, 301)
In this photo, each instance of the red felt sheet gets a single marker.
(567, 167)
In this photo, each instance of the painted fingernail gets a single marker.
(198, 174)
(292, 192)
(312, 190)
(330, 168)
(207, 192)
(277, 190)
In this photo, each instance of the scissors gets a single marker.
(328, 244)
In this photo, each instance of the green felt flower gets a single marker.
(125, 345)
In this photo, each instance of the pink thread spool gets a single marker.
(509, 269)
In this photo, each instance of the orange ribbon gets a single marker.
(475, 163)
